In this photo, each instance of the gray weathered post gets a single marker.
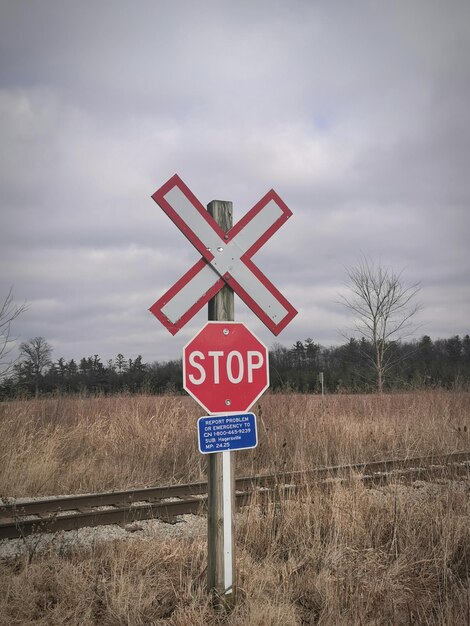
(221, 309)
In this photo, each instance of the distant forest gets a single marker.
(443, 363)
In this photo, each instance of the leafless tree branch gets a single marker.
(8, 313)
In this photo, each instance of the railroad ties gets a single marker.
(19, 519)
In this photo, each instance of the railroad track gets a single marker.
(168, 502)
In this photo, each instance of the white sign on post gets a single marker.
(226, 259)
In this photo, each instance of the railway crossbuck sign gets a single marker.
(226, 258)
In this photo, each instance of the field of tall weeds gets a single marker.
(77, 444)
(352, 555)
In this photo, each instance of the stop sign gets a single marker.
(225, 367)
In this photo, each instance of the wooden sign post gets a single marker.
(220, 466)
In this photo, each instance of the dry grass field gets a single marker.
(392, 555)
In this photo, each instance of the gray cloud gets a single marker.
(356, 115)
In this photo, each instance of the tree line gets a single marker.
(351, 367)
(347, 368)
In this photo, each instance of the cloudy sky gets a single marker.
(357, 114)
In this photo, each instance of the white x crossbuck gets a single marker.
(226, 259)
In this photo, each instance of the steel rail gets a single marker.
(77, 511)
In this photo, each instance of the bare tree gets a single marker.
(35, 355)
(383, 308)
(8, 313)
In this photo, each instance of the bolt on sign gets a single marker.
(225, 367)
(226, 259)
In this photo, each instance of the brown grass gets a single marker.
(71, 444)
(352, 556)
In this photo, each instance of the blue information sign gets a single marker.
(217, 433)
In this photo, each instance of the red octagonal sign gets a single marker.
(225, 367)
